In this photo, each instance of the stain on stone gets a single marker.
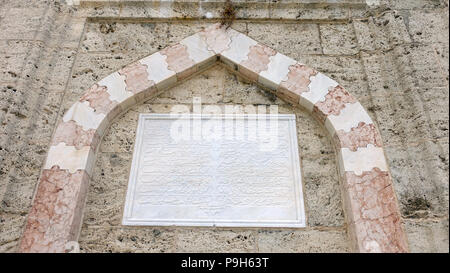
(19, 115)
(417, 207)
(107, 28)
(228, 14)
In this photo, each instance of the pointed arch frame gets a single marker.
(370, 204)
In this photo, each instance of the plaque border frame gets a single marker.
(301, 220)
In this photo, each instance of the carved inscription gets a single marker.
(224, 180)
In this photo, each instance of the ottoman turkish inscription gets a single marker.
(221, 170)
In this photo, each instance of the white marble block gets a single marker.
(221, 170)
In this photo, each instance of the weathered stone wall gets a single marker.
(391, 55)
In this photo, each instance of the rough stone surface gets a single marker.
(395, 62)
(308, 241)
(116, 239)
(430, 235)
(216, 240)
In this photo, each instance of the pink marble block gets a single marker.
(296, 83)
(334, 102)
(137, 82)
(55, 217)
(360, 136)
(74, 135)
(179, 61)
(98, 99)
(373, 213)
(258, 60)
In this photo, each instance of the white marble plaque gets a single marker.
(215, 171)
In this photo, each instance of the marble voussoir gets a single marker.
(158, 71)
(137, 82)
(362, 160)
(86, 117)
(375, 217)
(277, 70)
(350, 116)
(70, 158)
(320, 85)
(257, 60)
(198, 51)
(117, 90)
(358, 137)
(238, 51)
(218, 37)
(334, 102)
(178, 60)
(296, 83)
(55, 216)
(74, 135)
(99, 99)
